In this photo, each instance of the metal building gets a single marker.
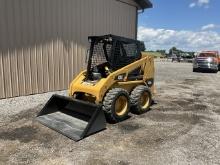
(43, 42)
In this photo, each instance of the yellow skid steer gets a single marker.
(118, 80)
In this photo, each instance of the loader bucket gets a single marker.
(73, 118)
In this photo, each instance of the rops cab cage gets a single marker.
(112, 51)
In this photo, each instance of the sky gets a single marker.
(189, 25)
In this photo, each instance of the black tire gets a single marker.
(109, 105)
(137, 106)
(195, 70)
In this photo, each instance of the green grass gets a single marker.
(155, 54)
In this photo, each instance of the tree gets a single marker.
(172, 50)
(175, 51)
(142, 46)
(179, 53)
(163, 52)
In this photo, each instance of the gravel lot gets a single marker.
(182, 128)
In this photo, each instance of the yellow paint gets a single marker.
(99, 89)
(145, 100)
(121, 105)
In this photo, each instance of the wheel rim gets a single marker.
(145, 100)
(121, 105)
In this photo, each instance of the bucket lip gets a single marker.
(60, 132)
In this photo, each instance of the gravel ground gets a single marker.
(182, 128)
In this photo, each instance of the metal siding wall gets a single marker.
(2, 83)
(43, 43)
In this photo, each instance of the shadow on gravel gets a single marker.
(182, 118)
(190, 81)
(24, 134)
(190, 106)
(129, 127)
(24, 128)
(27, 114)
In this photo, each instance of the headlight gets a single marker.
(150, 82)
(209, 60)
(120, 77)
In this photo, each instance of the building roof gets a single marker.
(114, 37)
(144, 4)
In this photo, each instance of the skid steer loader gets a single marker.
(118, 80)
